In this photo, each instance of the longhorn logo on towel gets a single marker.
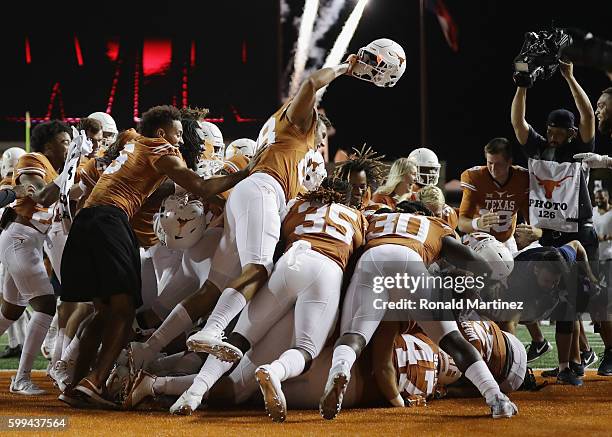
(550, 185)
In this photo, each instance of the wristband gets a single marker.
(475, 224)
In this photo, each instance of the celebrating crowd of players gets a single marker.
(207, 274)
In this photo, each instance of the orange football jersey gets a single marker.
(420, 233)
(233, 165)
(482, 194)
(34, 164)
(285, 147)
(7, 182)
(415, 358)
(488, 339)
(132, 177)
(333, 230)
(449, 216)
(385, 199)
(142, 224)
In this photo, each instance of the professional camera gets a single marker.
(539, 56)
(589, 50)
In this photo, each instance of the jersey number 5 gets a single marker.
(120, 160)
(267, 134)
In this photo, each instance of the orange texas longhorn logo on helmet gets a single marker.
(550, 185)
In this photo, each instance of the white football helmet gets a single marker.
(381, 62)
(245, 146)
(428, 166)
(313, 170)
(518, 367)
(10, 157)
(208, 167)
(180, 222)
(498, 255)
(209, 132)
(108, 124)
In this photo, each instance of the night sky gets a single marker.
(469, 92)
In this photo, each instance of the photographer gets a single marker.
(563, 140)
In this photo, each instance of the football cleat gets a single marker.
(538, 349)
(568, 377)
(270, 385)
(118, 383)
(142, 388)
(25, 386)
(11, 352)
(502, 407)
(62, 373)
(93, 395)
(211, 342)
(605, 368)
(336, 385)
(141, 355)
(186, 404)
(588, 358)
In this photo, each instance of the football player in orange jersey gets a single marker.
(406, 242)
(101, 235)
(316, 256)
(494, 194)
(364, 170)
(244, 259)
(399, 182)
(21, 249)
(408, 366)
(321, 231)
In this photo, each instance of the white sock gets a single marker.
(344, 354)
(209, 374)
(57, 349)
(289, 365)
(563, 366)
(37, 330)
(67, 341)
(175, 324)
(481, 377)
(229, 306)
(172, 385)
(5, 324)
(13, 342)
(72, 351)
(21, 327)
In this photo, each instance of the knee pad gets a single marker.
(307, 358)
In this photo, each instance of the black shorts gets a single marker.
(101, 257)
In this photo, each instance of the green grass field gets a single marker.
(547, 361)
